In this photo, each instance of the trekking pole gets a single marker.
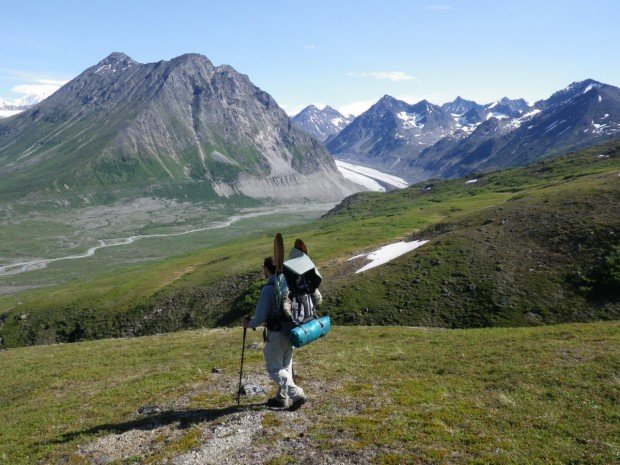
(241, 371)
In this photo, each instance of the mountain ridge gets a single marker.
(184, 120)
(479, 137)
(321, 123)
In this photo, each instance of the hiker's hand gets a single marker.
(245, 323)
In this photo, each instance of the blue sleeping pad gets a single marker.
(310, 331)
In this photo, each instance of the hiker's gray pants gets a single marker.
(279, 361)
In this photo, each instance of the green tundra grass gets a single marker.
(387, 395)
(522, 246)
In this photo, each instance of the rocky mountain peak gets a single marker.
(117, 59)
(423, 106)
(460, 106)
(321, 124)
(194, 61)
(584, 86)
(386, 105)
(114, 63)
(387, 101)
(179, 121)
(573, 90)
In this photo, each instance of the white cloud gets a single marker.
(356, 108)
(310, 46)
(438, 7)
(34, 93)
(385, 75)
(52, 82)
(33, 87)
(37, 89)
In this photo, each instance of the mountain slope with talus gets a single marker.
(121, 124)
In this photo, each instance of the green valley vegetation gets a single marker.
(383, 395)
(522, 246)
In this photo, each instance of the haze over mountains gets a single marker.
(423, 140)
(124, 124)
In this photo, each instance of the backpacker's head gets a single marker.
(269, 266)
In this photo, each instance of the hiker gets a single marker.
(278, 350)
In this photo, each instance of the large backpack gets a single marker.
(296, 290)
(295, 294)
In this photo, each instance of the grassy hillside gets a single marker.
(545, 395)
(518, 247)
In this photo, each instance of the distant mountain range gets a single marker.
(423, 140)
(184, 122)
(321, 123)
(391, 131)
(122, 124)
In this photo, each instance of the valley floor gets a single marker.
(44, 248)
(378, 395)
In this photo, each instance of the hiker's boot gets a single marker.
(278, 402)
(298, 402)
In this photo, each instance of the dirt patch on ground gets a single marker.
(252, 433)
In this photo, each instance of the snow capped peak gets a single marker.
(321, 123)
(573, 90)
(579, 85)
(33, 94)
(34, 98)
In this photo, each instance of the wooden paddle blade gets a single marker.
(278, 252)
(299, 245)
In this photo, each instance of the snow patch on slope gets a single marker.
(411, 120)
(387, 253)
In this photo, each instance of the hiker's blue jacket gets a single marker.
(265, 303)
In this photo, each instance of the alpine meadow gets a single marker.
(443, 185)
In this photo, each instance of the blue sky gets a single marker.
(343, 53)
